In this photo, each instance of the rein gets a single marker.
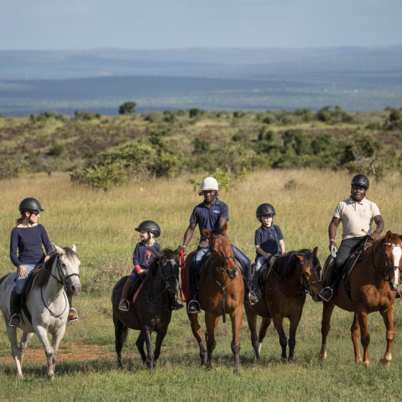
(61, 279)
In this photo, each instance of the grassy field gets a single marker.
(101, 224)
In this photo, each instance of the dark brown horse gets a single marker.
(221, 292)
(369, 288)
(284, 294)
(152, 309)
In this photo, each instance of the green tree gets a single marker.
(127, 108)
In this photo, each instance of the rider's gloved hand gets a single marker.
(182, 251)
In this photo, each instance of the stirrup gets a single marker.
(326, 294)
(124, 305)
(14, 320)
(193, 307)
(252, 298)
(72, 315)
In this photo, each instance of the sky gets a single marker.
(164, 24)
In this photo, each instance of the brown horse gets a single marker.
(152, 309)
(221, 292)
(369, 289)
(284, 294)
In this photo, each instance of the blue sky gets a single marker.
(164, 24)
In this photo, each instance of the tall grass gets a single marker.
(102, 226)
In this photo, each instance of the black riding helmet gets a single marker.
(265, 209)
(149, 226)
(360, 180)
(29, 205)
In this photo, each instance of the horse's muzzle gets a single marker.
(73, 287)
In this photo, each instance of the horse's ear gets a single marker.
(59, 250)
(74, 248)
(388, 234)
(315, 251)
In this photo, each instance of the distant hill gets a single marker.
(195, 62)
(356, 78)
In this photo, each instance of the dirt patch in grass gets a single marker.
(67, 353)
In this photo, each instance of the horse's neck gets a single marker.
(290, 283)
(53, 289)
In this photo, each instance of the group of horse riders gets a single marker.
(30, 245)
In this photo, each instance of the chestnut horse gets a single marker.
(370, 289)
(284, 293)
(221, 292)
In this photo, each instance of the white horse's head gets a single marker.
(69, 268)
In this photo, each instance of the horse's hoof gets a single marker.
(291, 359)
(366, 363)
(236, 371)
(20, 377)
(50, 377)
(323, 356)
(385, 362)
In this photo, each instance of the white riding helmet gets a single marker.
(209, 184)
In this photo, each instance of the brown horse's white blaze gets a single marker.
(396, 254)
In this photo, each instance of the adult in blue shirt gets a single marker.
(212, 214)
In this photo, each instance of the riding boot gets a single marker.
(124, 304)
(193, 306)
(255, 292)
(73, 313)
(15, 309)
(328, 291)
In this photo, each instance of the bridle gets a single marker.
(168, 278)
(61, 279)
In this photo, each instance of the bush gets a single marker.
(86, 116)
(127, 108)
(9, 169)
(101, 177)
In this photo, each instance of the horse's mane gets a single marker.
(42, 274)
(286, 264)
(166, 252)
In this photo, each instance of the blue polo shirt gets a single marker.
(144, 255)
(268, 238)
(207, 217)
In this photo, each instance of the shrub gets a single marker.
(127, 108)
(86, 116)
(9, 168)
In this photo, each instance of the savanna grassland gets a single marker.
(102, 225)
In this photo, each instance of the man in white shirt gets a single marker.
(356, 214)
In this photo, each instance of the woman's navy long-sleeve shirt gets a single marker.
(26, 245)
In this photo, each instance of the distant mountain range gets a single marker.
(355, 78)
(258, 63)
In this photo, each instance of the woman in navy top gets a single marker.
(28, 244)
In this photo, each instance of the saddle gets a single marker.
(264, 272)
(134, 290)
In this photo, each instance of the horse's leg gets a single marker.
(158, 344)
(237, 318)
(327, 310)
(57, 336)
(362, 316)
(15, 351)
(355, 332)
(140, 346)
(252, 324)
(278, 322)
(198, 335)
(388, 317)
(41, 332)
(150, 352)
(294, 323)
(263, 331)
(211, 321)
(120, 336)
(25, 339)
